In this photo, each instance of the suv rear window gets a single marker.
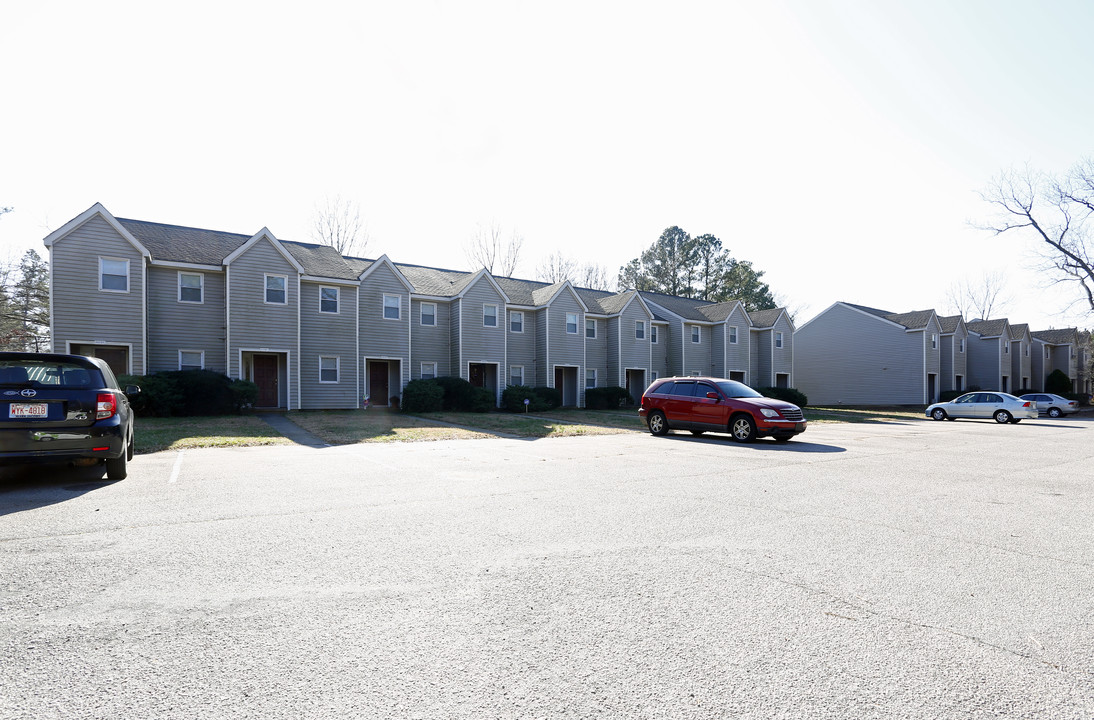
(35, 373)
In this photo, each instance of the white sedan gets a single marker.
(1000, 406)
(1052, 405)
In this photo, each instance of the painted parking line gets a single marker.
(176, 468)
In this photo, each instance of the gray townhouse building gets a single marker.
(316, 330)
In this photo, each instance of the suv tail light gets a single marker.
(105, 406)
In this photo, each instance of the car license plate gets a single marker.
(28, 410)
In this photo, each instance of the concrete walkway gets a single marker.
(292, 431)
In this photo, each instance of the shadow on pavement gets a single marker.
(26, 487)
(761, 444)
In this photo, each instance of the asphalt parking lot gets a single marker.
(919, 569)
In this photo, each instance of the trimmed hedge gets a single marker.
(422, 396)
(188, 393)
(790, 395)
(1057, 382)
(606, 398)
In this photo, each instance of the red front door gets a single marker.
(265, 374)
(377, 383)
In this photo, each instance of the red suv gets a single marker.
(700, 404)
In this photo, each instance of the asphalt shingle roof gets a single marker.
(1017, 332)
(949, 323)
(320, 260)
(184, 244)
(987, 328)
(1057, 337)
(765, 318)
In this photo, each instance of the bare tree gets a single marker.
(1057, 212)
(337, 222)
(489, 249)
(594, 277)
(556, 267)
(979, 300)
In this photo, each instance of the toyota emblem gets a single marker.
(29, 393)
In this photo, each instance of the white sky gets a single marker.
(839, 145)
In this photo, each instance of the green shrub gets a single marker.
(482, 400)
(550, 397)
(1081, 398)
(513, 397)
(423, 396)
(789, 395)
(457, 393)
(606, 398)
(181, 393)
(948, 395)
(1057, 383)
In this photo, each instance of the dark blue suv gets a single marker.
(64, 407)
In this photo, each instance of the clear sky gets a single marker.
(838, 145)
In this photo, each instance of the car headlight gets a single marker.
(769, 413)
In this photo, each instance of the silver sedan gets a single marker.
(1052, 405)
(1000, 406)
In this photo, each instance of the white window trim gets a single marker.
(696, 334)
(337, 300)
(778, 340)
(337, 369)
(398, 306)
(421, 373)
(653, 334)
(489, 305)
(734, 335)
(577, 323)
(639, 325)
(421, 314)
(265, 289)
(593, 336)
(128, 284)
(516, 367)
(521, 314)
(201, 353)
(595, 379)
(934, 341)
(201, 287)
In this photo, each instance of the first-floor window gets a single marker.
(328, 369)
(191, 359)
(516, 375)
(429, 370)
(590, 377)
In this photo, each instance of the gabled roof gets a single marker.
(175, 243)
(320, 260)
(950, 323)
(720, 312)
(687, 308)
(1064, 336)
(765, 318)
(384, 261)
(96, 210)
(264, 234)
(915, 320)
(988, 328)
(1019, 331)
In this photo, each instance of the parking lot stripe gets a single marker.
(176, 468)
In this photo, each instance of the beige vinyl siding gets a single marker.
(431, 343)
(848, 357)
(329, 335)
(383, 337)
(174, 325)
(255, 324)
(83, 313)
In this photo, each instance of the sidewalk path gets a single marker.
(292, 431)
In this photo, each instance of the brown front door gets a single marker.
(116, 358)
(377, 383)
(477, 375)
(265, 374)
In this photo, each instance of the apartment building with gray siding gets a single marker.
(316, 330)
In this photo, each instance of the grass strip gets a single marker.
(175, 433)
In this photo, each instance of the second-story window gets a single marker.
(429, 313)
(732, 334)
(653, 334)
(590, 329)
(961, 346)
(934, 341)
(516, 322)
(328, 299)
(393, 307)
(191, 287)
(778, 339)
(489, 315)
(277, 289)
(113, 275)
(571, 323)
(639, 329)
(696, 334)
